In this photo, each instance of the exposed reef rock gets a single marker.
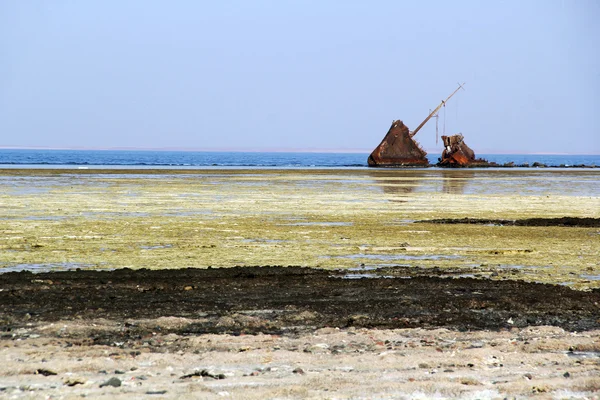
(398, 149)
(583, 222)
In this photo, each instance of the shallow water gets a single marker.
(392, 257)
(371, 276)
(320, 218)
(157, 246)
(398, 182)
(320, 224)
(591, 277)
(39, 268)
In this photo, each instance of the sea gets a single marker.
(140, 159)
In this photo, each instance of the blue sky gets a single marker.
(299, 75)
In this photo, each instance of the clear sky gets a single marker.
(299, 75)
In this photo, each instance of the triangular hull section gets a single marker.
(398, 149)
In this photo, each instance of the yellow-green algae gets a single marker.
(310, 217)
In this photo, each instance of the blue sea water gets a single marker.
(21, 158)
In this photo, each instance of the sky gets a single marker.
(310, 75)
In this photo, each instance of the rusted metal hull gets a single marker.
(457, 154)
(398, 149)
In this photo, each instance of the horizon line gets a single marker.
(261, 150)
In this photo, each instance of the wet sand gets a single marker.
(395, 305)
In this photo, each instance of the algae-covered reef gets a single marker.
(351, 218)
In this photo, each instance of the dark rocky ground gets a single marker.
(278, 300)
(562, 221)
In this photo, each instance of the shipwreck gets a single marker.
(457, 154)
(399, 148)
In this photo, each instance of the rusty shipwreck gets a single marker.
(399, 148)
(456, 153)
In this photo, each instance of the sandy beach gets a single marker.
(386, 301)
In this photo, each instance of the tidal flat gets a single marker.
(378, 286)
(371, 220)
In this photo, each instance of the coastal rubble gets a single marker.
(294, 332)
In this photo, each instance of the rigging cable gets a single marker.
(444, 119)
(436, 129)
(437, 119)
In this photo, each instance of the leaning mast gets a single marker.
(413, 133)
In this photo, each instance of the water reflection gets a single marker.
(397, 183)
(401, 188)
(455, 181)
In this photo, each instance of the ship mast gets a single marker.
(413, 133)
